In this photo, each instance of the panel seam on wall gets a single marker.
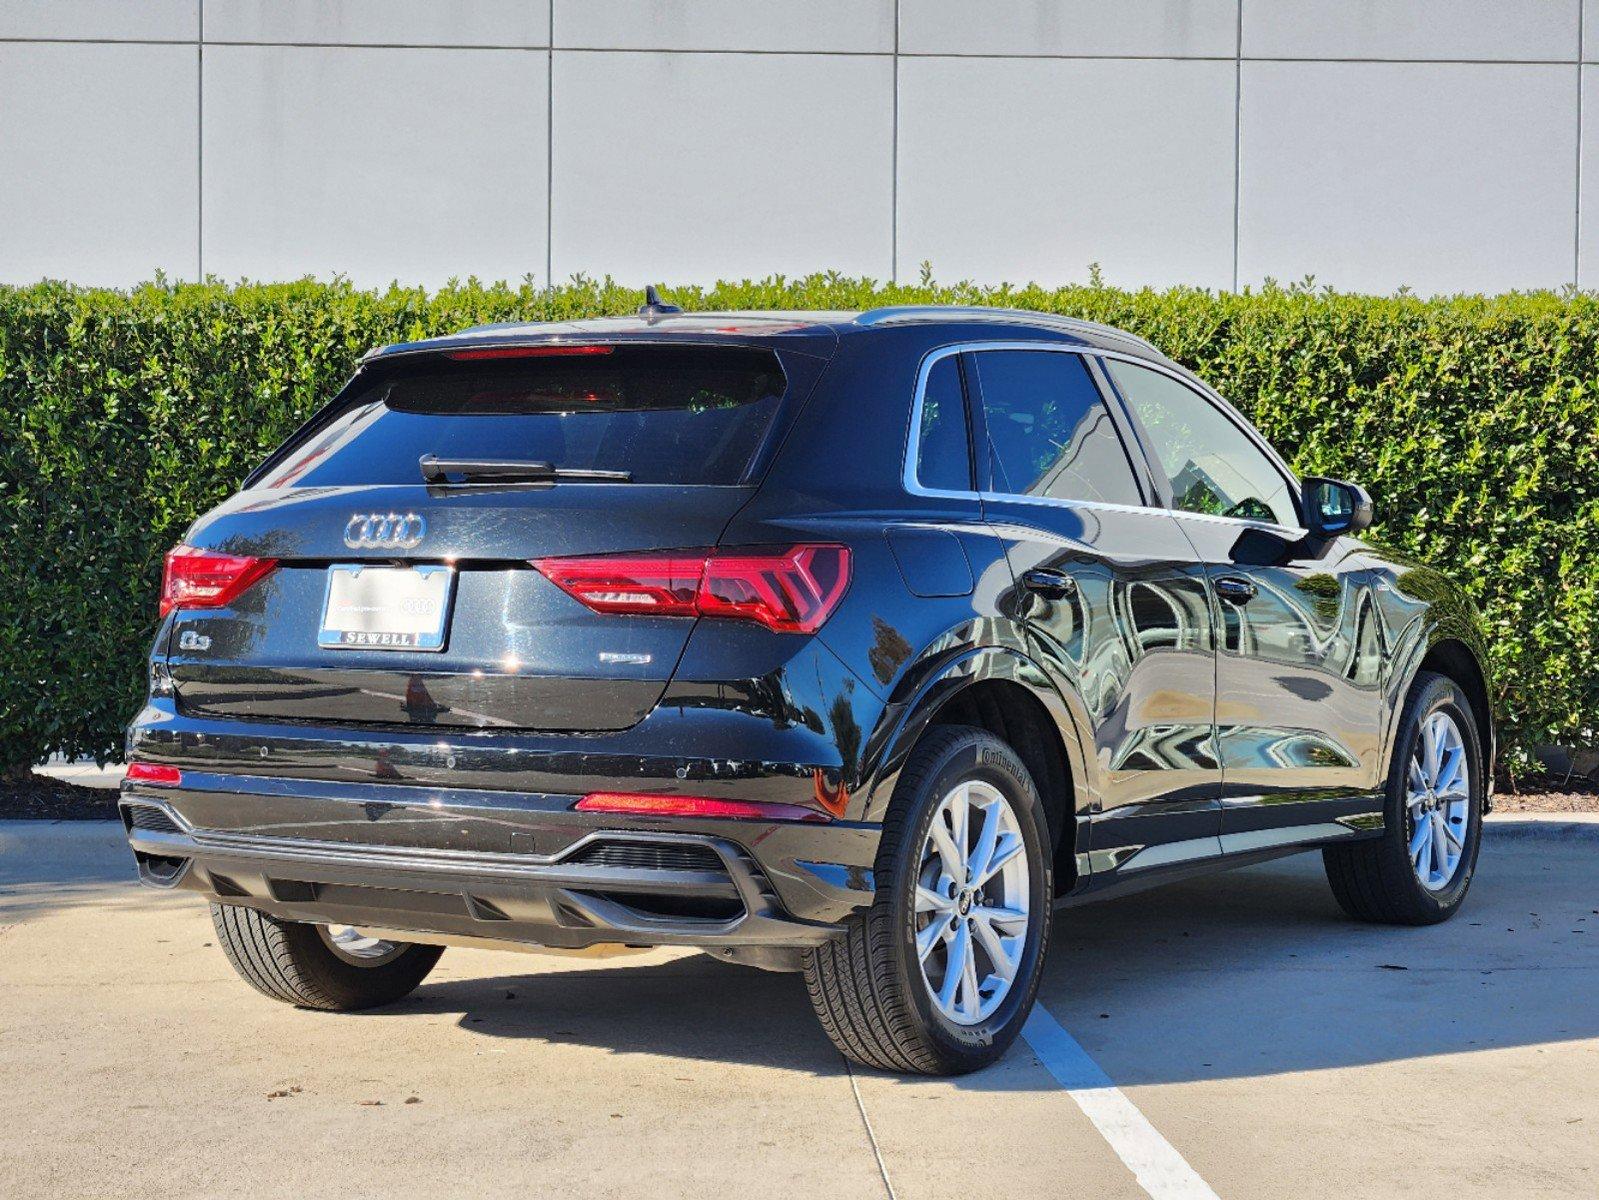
(268, 45)
(893, 182)
(886, 53)
(1238, 135)
(199, 142)
(549, 165)
(1576, 235)
(1223, 58)
(86, 41)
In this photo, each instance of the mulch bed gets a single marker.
(1549, 794)
(46, 799)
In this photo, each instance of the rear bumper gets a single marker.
(515, 867)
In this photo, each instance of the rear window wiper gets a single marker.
(470, 470)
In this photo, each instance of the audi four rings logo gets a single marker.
(385, 531)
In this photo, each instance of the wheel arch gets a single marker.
(1456, 654)
(1001, 690)
(1453, 658)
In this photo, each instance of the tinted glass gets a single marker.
(1048, 432)
(1333, 505)
(1213, 466)
(685, 415)
(942, 456)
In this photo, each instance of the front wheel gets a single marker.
(1417, 873)
(939, 974)
(334, 968)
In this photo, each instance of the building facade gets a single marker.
(1440, 145)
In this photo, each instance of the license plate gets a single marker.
(386, 608)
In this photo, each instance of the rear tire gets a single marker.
(1379, 880)
(873, 988)
(293, 962)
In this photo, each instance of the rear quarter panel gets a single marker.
(838, 478)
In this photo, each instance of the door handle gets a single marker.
(1234, 589)
(1053, 585)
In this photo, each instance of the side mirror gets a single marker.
(1334, 508)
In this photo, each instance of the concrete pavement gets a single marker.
(1278, 1048)
(83, 772)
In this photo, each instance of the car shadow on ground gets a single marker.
(689, 1008)
(1254, 972)
(1258, 971)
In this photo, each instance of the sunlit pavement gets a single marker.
(1278, 1048)
(83, 772)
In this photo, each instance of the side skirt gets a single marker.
(1117, 871)
(1123, 885)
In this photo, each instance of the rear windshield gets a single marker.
(665, 414)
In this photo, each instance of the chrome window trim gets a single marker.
(1050, 502)
(1249, 522)
(1192, 382)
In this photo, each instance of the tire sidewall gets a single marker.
(1436, 695)
(977, 757)
(360, 985)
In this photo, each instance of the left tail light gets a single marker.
(790, 590)
(195, 578)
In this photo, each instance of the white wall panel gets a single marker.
(99, 176)
(698, 166)
(1021, 170)
(1588, 217)
(1440, 177)
(814, 25)
(1428, 29)
(1426, 143)
(380, 164)
(380, 22)
(115, 20)
(1167, 28)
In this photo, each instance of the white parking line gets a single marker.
(1154, 1162)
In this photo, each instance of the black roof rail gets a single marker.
(978, 312)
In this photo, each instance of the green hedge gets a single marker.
(1473, 421)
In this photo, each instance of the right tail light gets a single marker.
(791, 590)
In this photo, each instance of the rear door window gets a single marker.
(665, 414)
(1049, 433)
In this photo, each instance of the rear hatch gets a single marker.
(401, 524)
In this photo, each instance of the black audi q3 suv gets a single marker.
(847, 644)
